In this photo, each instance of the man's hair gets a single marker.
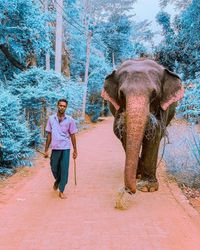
(62, 100)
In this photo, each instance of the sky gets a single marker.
(148, 9)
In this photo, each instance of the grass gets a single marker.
(182, 154)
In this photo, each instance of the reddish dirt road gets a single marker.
(33, 217)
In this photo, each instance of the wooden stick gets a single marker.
(39, 151)
(75, 180)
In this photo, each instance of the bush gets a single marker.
(182, 155)
(39, 91)
(14, 135)
(189, 107)
(95, 84)
(94, 106)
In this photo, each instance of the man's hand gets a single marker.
(73, 138)
(48, 141)
(46, 154)
(75, 154)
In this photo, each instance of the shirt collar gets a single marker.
(56, 117)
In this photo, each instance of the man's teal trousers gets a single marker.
(60, 167)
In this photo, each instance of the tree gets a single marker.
(36, 90)
(180, 50)
(14, 135)
(180, 47)
(116, 34)
(179, 4)
(23, 32)
(190, 105)
(188, 39)
(101, 10)
(98, 70)
(166, 51)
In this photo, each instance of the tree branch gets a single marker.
(11, 58)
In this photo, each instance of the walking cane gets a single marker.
(75, 181)
(39, 151)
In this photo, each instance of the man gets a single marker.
(61, 132)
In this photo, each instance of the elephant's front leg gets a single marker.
(119, 128)
(148, 164)
(150, 147)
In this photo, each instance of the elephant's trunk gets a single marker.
(137, 110)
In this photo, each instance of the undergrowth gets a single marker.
(182, 154)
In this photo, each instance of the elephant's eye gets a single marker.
(153, 95)
(106, 88)
(122, 98)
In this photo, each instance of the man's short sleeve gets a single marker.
(48, 127)
(72, 128)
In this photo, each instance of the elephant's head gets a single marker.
(137, 87)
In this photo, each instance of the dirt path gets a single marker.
(32, 217)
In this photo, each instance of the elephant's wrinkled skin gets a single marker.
(142, 96)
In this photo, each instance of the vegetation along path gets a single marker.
(33, 217)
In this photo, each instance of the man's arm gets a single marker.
(73, 138)
(48, 141)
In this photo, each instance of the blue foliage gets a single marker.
(180, 51)
(14, 135)
(95, 84)
(116, 34)
(23, 31)
(182, 154)
(166, 51)
(39, 90)
(188, 27)
(190, 104)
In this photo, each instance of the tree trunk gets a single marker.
(89, 37)
(31, 61)
(11, 58)
(65, 61)
(59, 36)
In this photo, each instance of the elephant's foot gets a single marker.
(147, 186)
(139, 170)
(123, 199)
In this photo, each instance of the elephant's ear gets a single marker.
(172, 90)
(110, 90)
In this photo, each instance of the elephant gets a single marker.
(142, 96)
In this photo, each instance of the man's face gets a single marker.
(62, 107)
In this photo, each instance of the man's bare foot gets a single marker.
(62, 195)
